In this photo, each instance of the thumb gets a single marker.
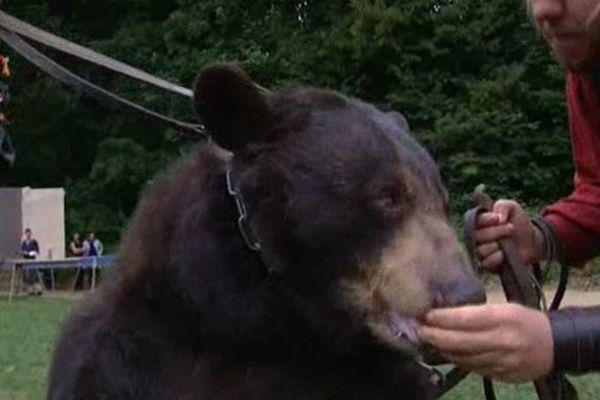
(505, 209)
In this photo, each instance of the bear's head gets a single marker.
(344, 205)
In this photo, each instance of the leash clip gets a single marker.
(435, 377)
(242, 221)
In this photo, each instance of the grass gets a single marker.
(28, 330)
(29, 327)
(587, 386)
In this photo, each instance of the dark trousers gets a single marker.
(30, 276)
(46, 277)
(83, 279)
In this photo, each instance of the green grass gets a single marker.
(29, 327)
(28, 330)
(588, 388)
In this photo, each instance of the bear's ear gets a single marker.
(233, 108)
(400, 120)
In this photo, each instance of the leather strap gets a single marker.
(519, 284)
(38, 35)
(31, 32)
(65, 76)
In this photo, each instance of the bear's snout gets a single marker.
(458, 292)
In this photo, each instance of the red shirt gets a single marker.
(577, 217)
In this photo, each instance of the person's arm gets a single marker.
(576, 218)
(85, 250)
(74, 250)
(576, 221)
(36, 247)
(576, 337)
(512, 343)
(99, 248)
(506, 342)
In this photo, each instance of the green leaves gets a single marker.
(474, 79)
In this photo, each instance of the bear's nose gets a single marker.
(468, 290)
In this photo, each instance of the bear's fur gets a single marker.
(349, 218)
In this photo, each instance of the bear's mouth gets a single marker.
(404, 327)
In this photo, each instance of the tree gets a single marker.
(476, 83)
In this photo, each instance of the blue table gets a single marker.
(78, 263)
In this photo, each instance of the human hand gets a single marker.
(505, 342)
(507, 219)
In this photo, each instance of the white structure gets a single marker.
(41, 210)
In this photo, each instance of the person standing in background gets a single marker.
(93, 246)
(30, 249)
(83, 275)
(75, 248)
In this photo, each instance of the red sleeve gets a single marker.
(577, 217)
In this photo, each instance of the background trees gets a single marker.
(474, 79)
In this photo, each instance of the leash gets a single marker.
(22, 28)
(14, 29)
(67, 77)
(11, 30)
(521, 285)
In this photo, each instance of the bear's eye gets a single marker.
(389, 199)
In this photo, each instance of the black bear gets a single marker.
(290, 259)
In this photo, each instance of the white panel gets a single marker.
(44, 214)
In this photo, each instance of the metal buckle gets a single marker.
(436, 377)
(242, 221)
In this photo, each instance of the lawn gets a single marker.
(29, 326)
(28, 330)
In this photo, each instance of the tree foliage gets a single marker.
(473, 77)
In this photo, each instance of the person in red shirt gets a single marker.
(509, 342)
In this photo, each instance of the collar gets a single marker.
(250, 238)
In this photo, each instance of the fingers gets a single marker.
(487, 219)
(466, 318)
(507, 219)
(493, 263)
(494, 233)
(487, 249)
(493, 225)
(457, 342)
(491, 256)
(502, 341)
(506, 209)
(474, 362)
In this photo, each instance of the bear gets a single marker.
(291, 256)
